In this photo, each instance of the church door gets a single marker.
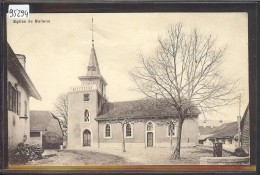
(86, 138)
(149, 139)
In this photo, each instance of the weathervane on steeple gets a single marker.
(92, 29)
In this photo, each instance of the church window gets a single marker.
(171, 130)
(86, 97)
(91, 68)
(86, 116)
(108, 131)
(128, 131)
(150, 126)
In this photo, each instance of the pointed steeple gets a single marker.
(93, 75)
(93, 67)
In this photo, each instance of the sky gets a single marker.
(58, 52)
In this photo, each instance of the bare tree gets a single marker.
(185, 70)
(61, 111)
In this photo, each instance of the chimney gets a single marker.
(22, 59)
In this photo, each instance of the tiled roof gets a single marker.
(39, 120)
(15, 67)
(139, 109)
(206, 130)
(213, 123)
(226, 130)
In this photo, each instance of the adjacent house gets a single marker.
(227, 134)
(224, 133)
(93, 121)
(20, 89)
(245, 131)
(45, 129)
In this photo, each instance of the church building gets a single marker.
(93, 121)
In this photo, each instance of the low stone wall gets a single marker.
(232, 160)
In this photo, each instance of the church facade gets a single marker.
(93, 121)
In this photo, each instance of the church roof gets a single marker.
(139, 109)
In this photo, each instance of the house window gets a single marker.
(86, 116)
(128, 131)
(108, 130)
(171, 130)
(14, 99)
(35, 134)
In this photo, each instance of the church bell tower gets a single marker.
(85, 104)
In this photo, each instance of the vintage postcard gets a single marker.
(105, 89)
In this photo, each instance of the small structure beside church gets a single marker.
(95, 122)
(227, 134)
(45, 130)
(20, 89)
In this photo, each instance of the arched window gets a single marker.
(108, 130)
(86, 116)
(128, 130)
(171, 130)
(149, 126)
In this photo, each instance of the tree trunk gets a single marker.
(123, 137)
(177, 151)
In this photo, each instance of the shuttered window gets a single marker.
(25, 108)
(10, 98)
(18, 102)
(14, 98)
